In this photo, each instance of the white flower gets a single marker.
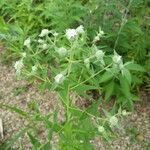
(101, 129)
(99, 54)
(40, 41)
(101, 32)
(117, 58)
(44, 32)
(99, 35)
(18, 66)
(71, 34)
(34, 69)
(81, 141)
(87, 61)
(125, 113)
(44, 46)
(97, 38)
(113, 121)
(62, 51)
(55, 34)
(24, 54)
(59, 78)
(80, 29)
(27, 42)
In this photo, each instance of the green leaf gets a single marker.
(125, 87)
(135, 67)
(93, 110)
(46, 146)
(106, 77)
(16, 137)
(81, 90)
(109, 88)
(126, 73)
(36, 144)
(3, 26)
(15, 109)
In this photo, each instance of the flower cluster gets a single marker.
(44, 32)
(99, 55)
(62, 51)
(59, 78)
(27, 42)
(99, 35)
(18, 66)
(113, 121)
(71, 34)
(117, 61)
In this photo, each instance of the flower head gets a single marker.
(40, 41)
(101, 129)
(97, 38)
(62, 51)
(99, 54)
(34, 69)
(99, 35)
(125, 113)
(87, 62)
(117, 60)
(44, 32)
(27, 42)
(80, 29)
(59, 78)
(23, 54)
(71, 34)
(55, 34)
(113, 121)
(44, 46)
(18, 66)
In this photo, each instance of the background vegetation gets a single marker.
(126, 27)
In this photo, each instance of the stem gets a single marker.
(90, 77)
(122, 23)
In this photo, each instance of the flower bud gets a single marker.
(18, 66)
(101, 129)
(44, 32)
(71, 34)
(80, 29)
(113, 121)
(24, 55)
(59, 78)
(99, 54)
(62, 51)
(27, 42)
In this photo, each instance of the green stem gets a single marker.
(122, 23)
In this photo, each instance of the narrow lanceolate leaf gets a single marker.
(15, 109)
(35, 142)
(46, 146)
(125, 87)
(106, 77)
(15, 138)
(135, 67)
(126, 73)
(109, 88)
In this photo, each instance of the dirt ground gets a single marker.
(136, 127)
